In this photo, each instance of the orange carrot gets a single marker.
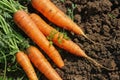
(55, 15)
(66, 44)
(42, 64)
(25, 63)
(23, 20)
(12, 46)
(47, 30)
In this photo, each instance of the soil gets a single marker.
(100, 20)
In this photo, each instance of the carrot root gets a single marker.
(96, 63)
(72, 48)
(55, 15)
(89, 39)
(42, 64)
(25, 63)
(25, 23)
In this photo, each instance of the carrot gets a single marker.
(34, 55)
(25, 23)
(65, 44)
(42, 64)
(55, 15)
(25, 63)
(12, 44)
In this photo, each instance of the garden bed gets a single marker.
(100, 20)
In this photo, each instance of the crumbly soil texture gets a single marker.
(100, 20)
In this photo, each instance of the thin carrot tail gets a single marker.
(90, 39)
(97, 64)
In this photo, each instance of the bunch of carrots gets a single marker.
(12, 39)
(40, 33)
(23, 57)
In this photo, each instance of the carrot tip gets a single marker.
(97, 64)
(91, 40)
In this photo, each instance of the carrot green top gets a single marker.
(7, 8)
(9, 41)
(9, 38)
(11, 6)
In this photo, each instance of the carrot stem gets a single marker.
(10, 40)
(5, 68)
(24, 22)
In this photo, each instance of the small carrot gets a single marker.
(55, 15)
(25, 63)
(42, 64)
(25, 23)
(65, 44)
(11, 42)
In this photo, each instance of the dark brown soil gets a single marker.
(100, 20)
